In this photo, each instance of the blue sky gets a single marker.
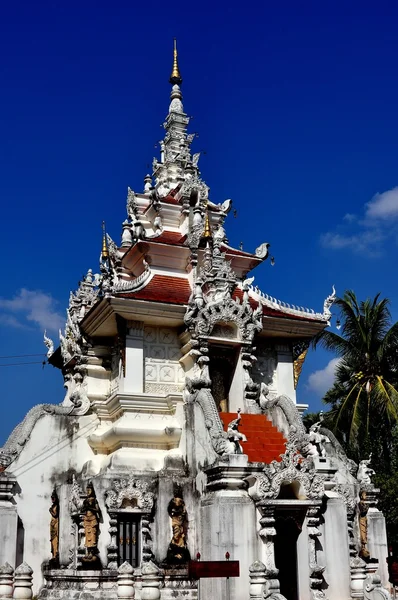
(296, 108)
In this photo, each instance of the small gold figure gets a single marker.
(363, 526)
(91, 519)
(54, 530)
(178, 551)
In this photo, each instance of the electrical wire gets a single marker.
(37, 362)
(21, 355)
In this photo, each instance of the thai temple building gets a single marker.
(177, 465)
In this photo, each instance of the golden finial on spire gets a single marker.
(207, 230)
(105, 251)
(175, 77)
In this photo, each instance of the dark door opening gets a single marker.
(222, 367)
(288, 525)
(128, 539)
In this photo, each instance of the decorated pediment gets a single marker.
(130, 494)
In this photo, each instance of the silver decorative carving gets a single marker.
(317, 439)
(262, 251)
(295, 469)
(373, 589)
(327, 305)
(135, 491)
(22, 432)
(135, 284)
(198, 390)
(365, 472)
(316, 570)
(50, 345)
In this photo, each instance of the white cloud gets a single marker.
(383, 206)
(31, 305)
(322, 380)
(378, 222)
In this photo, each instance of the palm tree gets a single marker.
(364, 395)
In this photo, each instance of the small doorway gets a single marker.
(222, 367)
(288, 525)
(128, 527)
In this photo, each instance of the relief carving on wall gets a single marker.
(163, 372)
(130, 494)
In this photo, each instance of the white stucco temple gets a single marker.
(180, 431)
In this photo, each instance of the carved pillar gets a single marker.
(125, 582)
(147, 553)
(23, 582)
(258, 578)
(267, 534)
(8, 516)
(112, 551)
(316, 570)
(152, 581)
(6, 581)
(358, 576)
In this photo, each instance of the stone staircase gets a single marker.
(264, 443)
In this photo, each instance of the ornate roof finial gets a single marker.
(207, 230)
(175, 77)
(105, 251)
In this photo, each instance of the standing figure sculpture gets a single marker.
(234, 435)
(365, 472)
(317, 439)
(91, 519)
(363, 526)
(178, 552)
(54, 530)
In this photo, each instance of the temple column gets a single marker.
(377, 535)
(316, 570)
(267, 534)
(8, 519)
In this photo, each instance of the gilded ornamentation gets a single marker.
(363, 508)
(54, 530)
(91, 519)
(178, 552)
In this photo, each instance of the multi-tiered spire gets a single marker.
(176, 165)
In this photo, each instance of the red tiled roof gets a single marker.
(175, 238)
(170, 200)
(265, 442)
(163, 288)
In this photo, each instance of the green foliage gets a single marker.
(364, 396)
(363, 400)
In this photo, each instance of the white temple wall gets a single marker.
(284, 369)
(57, 445)
(336, 554)
(133, 381)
